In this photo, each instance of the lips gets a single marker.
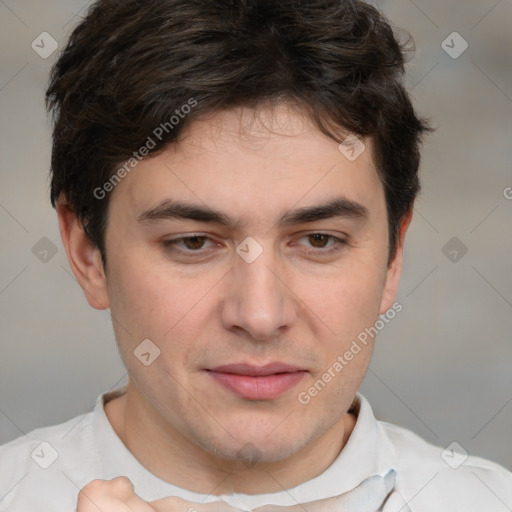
(257, 382)
(247, 369)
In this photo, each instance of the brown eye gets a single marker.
(190, 244)
(194, 243)
(322, 244)
(319, 240)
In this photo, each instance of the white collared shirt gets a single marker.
(45, 470)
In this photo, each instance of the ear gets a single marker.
(394, 270)
(83, 256)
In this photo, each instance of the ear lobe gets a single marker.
(394, 270)
(83, 256)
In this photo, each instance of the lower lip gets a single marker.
(258, 387)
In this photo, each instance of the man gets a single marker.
(234, 181)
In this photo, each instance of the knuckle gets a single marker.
(93, 488)
(90, 495)
(120, 487)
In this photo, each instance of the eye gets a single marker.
(192, 243)
(199, 245)
(324, 242)
(319, 240)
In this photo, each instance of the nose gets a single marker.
(259, 300)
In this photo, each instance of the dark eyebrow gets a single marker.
(340, 207)
(170, 209)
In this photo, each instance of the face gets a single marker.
(252, 254)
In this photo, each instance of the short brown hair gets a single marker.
(130, 65)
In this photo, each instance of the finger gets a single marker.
(175, 504)
(106, 496)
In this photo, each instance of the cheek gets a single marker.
(141, 300)
(347, 300)
(148, 301)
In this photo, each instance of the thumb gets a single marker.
(175, 504)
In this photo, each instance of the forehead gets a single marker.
(252, 163)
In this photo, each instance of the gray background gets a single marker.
(441, 367)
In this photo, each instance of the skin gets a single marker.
(296, 303)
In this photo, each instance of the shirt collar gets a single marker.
(368, 452)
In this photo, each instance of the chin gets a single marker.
(251, 446)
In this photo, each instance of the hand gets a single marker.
(118, 495)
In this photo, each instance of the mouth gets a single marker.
(257, 382)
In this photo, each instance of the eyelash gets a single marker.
(336, 246)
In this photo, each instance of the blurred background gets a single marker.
(442, 367)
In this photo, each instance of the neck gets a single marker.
(170, 456)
